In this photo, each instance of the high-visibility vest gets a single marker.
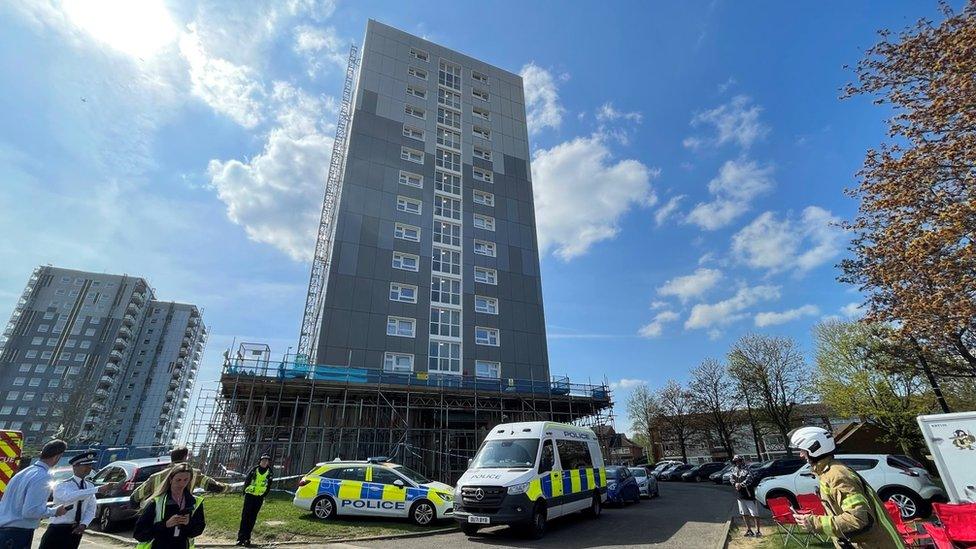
(160, 510)
(259, 485)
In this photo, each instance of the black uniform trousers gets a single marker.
(59, 536)
(249, 515)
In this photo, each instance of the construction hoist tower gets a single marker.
(318, 280)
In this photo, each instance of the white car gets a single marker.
(897, 478)
(645, 482)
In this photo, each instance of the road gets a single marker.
(686, 516)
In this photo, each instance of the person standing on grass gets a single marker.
(745, 495)
(173, 516)
(24, 503)
(255, 488)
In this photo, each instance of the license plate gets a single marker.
(479, 520)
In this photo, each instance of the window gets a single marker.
(403, 292)
(445, 322)
(43, 327)
(480, 94)
(411, 155)
(401, 327)
(397, 362)
(420, 55)
(6, 410)
(416, 91)
(406, 262)
(90, 332)
(479, 77)
(481, 175)
(487, 305)
(483, 368)
(412, 179)
(85, 344)
(447, 182)
(13, 395)
(483, 114)
(482, 247)
(417, 72)
(30, 354)
(19, 381)
(485, 276)
(481, 153)
(483, 133)
(413, 133)
(449, 75)
(37, 341)
(25, 367)
(409, 205)
(448, 98)
(448, 138)
(444, 357)
(407, 232)
(54, 383)
(486, 336)
(22, 410)
(448, 118)
(446, 261)
(29, 396)
(446, 206)
(574, 454)
(416, 112)
(858, 464)
(46, 355)
(447, 160)
(52, 341)
(445, 290)
(484, 222)
(447, 233)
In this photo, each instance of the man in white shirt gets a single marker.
(78, 495)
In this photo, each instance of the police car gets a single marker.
(373, 488)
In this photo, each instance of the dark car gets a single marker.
(662, 467)
(777, 467)
(674, 473)
(621, 485)
(114, 506)
(726, 476)
(716, 477)
(699, 473)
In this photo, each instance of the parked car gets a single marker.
(646, 483)
(663, 466)
(675, 472)
(622, 486)
(716, 477)
(896, 478)
(114, 506)
(699, 473)
(777, 467)
(727, 475)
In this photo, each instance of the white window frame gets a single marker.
(484, 222)
(447, 183)
(400, 258)
(485, 248)
(448, 118)
(397, 290)
(448, 160)
(438, 291)
(495, 367)
(448, 98)
(480, 77)
(483, 114)
(417, 72)
(483, 198)
(489, 306)
(455, 138)
(434, 361)
(411, 155)
(404, 204)
(416, 92)
(437, 314)
(482, 153)
(449, 205)
(403, 231)
(398, 322)
(451, 238)
(481, 94)
(391, 362)
(420, 55)
(481, 175)
(413, 133)
(481, 132)
(487, 341)
(415, 112)
(411, 179)
(489, 276)
(437, 262)
(449, 75)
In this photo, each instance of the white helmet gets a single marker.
(816, 441)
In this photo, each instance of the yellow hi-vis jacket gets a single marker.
(856, 517)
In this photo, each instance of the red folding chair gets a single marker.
(810, 503)
(909, 533)
(959, 521)
(938, 536)
(783, 517)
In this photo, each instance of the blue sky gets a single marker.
(688, 158)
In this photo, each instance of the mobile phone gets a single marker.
(69, 507)
(184, 512)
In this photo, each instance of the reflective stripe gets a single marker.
(534, 490)
(574, 478)
(350, 489)
(603, 478)
(827, 526)
(394, 493)
(259, 485)
(852, 501)
(591, 477)
(557, 484)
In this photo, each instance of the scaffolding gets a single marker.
(304, 414)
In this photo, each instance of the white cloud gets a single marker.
(707, 315)
(319, 47)
(626, 384)
(852, 310)
(581, 193)
(655, 305)
(735, 122)
(775, 244)
(737, 184)
(607, 113)
(667, 210)
(690, 286)
(773, 318)
(656, 326)
(543, 109)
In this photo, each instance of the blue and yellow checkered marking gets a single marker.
(359, 490)
(561, 483)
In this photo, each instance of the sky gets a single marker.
(688, 159)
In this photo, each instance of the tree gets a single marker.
(644, 411)
(712, 394)
(772, 371)
(856, 381)
(675, 414)
(914, 245)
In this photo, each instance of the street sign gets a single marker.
(952, 440)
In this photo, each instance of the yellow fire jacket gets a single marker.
(856, 517)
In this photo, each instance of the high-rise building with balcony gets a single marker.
(72, 350)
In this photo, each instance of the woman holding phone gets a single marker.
(173, 516)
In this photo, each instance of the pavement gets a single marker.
(685, 516)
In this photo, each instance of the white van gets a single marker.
(527, 473)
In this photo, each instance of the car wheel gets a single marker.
(596, 507)
(324, 508)
(469, 529)
(105, 522)
(536, 528)
(910, 505)
(422, 513)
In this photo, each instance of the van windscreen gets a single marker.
(501, 454)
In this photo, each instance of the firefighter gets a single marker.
(255, 488)
(856, 517)
(178, 455)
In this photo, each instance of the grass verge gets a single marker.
(772, 538)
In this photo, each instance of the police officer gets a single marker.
(65, 531)
(255, 488)
(855, 517)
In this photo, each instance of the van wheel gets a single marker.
(596, 507)
(323, 508)
(469, 529)
(536, 528)
(422, 513)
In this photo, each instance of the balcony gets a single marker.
(184, 352)
(194, 321)
(111, 368)
(125, 332)
(166, 407)
(105, 381)
(120, 343)
(128, 320)
(101, 394)
(97, 407)
(174, 383)
(115, 355)
(132, 309)
(139, 298)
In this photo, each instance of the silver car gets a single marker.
(645, 482)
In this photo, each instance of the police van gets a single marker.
(373, 488)
(528, 473)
